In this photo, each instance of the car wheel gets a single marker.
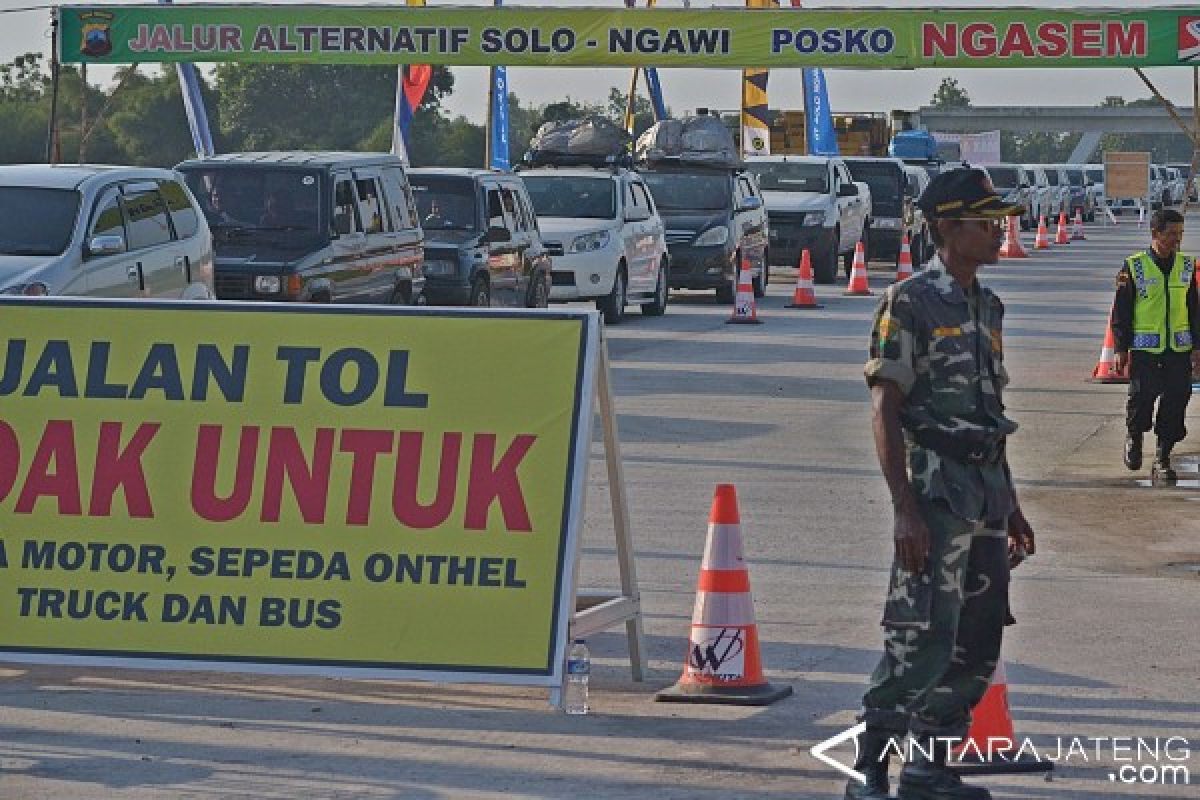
(481, 293)
(825, 270)
(726, 294)
(760, 283)
(402, 295)
(539, 292)
(612, 305)
(658, 306)
(866, 243)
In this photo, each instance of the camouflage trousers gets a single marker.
(942, 629)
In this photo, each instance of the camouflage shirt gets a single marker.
(950, 367)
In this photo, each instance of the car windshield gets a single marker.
(259, 206)
(572, 196)
(884, 179)
(791, 176)
(682, 191)
(1096, 174)
(445, 204)
(1004, 177)
(1075, 176)
(36, 221)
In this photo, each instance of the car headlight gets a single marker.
(816, 217)
(440, 266)
(26, 289)
(887, 223)
(712, 237)
(589, 242)
(267, 284)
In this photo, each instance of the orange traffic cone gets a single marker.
(858, 274)
(1042, 242)
(1060, 235)
(1012, 241)
(991, 745)
(1077, 226)
(904, 265)
(722, 663)
(804, 296)
(1105, 371)
(745, 310)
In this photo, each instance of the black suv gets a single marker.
(891, 205)
(310, 226)
(482, 243)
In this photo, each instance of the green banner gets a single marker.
(732, 38)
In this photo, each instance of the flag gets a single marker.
(499, 131)
(193, 106)
(411, 82)
(756, 134)
(822, 139)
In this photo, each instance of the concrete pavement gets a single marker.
(1104, 646)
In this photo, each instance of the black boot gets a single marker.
(1133, 450)
(928, 778)
(1161, 470)
(872, 762)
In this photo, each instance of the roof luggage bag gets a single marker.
(591, 141)
(703, 141)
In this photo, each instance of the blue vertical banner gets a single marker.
(822, 139)
(499, 131)
(193, 106)
(656, 95)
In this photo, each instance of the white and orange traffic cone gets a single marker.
(745, 309)
(1106, 368)
(858, 285)
(991, 746)
(1077, 227)
(723, 663)
(904, 265)
(1012, 240)
(1042, 242)
(804, 296)
(1060, 235)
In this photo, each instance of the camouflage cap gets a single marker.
(964, 194)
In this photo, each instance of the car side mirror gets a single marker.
(106, 245)
(750, 204)
(497, 235)
(848, 190)
(637, 214)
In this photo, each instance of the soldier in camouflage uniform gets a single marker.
(936, 372)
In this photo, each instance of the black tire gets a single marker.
(760, 283)
(402, 294)
(481, 294)
(825, 270)
(539, 291)
(725, 294)
(612, 305)
(658, 306)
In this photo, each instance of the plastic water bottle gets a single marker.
(579, 669)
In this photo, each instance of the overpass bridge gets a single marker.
(1091, 121)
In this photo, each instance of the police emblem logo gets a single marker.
(97, 33)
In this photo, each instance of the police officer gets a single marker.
(936, 372)
(1156, 325)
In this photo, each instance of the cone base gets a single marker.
(804, 305)
(1107, 379)
(743, 321)
(1023, 763)
(860, 293)
(762, 695)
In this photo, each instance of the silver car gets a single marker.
(99, 231)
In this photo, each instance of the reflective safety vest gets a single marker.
(1160, 313)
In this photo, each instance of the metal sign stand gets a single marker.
(601, 609)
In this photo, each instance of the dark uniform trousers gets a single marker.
(1152, 376)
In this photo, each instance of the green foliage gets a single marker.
(950, 95)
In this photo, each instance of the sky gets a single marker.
(687, 89)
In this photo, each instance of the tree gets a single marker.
(310, 107)
(643, 110)
(148, 121)
(950, 95)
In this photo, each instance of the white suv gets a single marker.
(605, 236)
